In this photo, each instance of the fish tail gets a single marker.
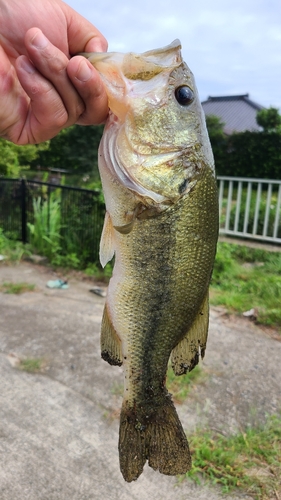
(158, 438)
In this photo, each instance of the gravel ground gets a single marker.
(59, 428)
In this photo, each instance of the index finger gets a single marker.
(89, 85)
(82, 35)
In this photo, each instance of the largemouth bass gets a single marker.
(161, 225)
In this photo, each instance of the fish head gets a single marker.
(161, 138)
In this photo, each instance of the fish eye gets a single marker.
(184, 95)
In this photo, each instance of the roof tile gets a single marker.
(238, 113)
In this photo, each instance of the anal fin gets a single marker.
(110, 342)
(185, 356)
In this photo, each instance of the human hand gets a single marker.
(42, 90)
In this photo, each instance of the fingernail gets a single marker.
(27, 65)
(39, 40)
(84, 72)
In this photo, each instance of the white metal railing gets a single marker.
(250, 208)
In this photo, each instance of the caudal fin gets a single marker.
(158, 438)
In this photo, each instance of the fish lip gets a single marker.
(175, 44)
(163, 51)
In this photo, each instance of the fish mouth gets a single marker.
(165, 57)
(121, 72)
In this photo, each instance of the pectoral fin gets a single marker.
(110, 342)
(141, 213)
(185, 356)
(126, 229)
(106, 242)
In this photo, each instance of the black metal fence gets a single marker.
(81, 213)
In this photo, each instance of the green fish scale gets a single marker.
(171, 258)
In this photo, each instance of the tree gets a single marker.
(14, 159)
(218, 141)
(74, 149)
(269, 119)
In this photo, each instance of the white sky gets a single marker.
(232, 47)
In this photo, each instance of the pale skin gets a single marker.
(43, 89)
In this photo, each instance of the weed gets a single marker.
(16, 288)
(44, 233)
(31, 365)
(179, 386)
(69, 261)
(99, 273)
(250, 460)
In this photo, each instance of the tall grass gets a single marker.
(66, 227)
(44, 233)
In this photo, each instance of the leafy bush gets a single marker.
(66, 227)
(252, 154)
(11, 249)
(74, 149)
(248, 154)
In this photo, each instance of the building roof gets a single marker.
(238, 112)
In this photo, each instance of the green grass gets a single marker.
(101, 274)
(16, 288)
(250, 461)
(31, 365)
(180, 386)
(246, 278)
